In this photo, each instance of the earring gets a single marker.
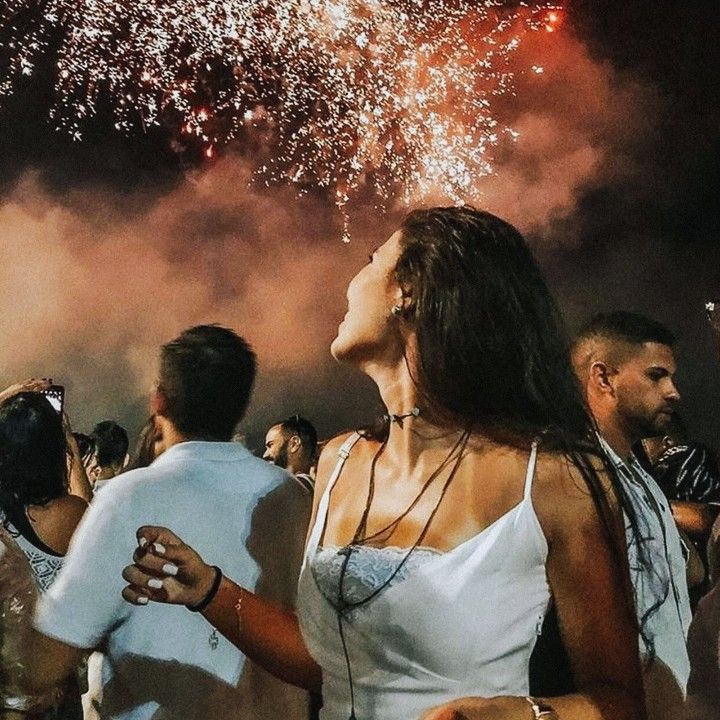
(397, 310)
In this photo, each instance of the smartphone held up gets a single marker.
(56, 396)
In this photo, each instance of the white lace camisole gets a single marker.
(449, 625)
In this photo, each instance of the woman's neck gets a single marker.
(413, 426)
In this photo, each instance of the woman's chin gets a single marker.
(337, 349)
(344, 347)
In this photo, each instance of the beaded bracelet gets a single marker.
(212, 592)
(541, 710)
(238, 606)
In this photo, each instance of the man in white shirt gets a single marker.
(626, 367)
(242, 513)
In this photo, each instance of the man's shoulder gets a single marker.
(194, 472)
(275, 476)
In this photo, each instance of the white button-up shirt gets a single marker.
(658, 575)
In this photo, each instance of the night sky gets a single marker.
(640, 233)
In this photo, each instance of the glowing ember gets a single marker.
(394, 94)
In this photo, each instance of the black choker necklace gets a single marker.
(415, 412)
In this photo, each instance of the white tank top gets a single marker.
(450, 625)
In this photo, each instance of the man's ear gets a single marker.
(294, 444)
(602, 377)
(158, 403)
(92, 470)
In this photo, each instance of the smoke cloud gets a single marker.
(93, 283)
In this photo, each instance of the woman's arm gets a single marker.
(31, 385)
(79, 483)
(590, 587)
(267, 633)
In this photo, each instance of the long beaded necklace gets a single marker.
(344, 606)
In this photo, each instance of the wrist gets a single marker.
(206, 589)
(540, 709)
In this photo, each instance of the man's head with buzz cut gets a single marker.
(626, 367)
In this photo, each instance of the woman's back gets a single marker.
(17, 600)
(43, 533)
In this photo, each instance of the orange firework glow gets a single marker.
(398, 95)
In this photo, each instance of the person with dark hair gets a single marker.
(148, 447)
(438, 548)
(111, 452)
(292, 444)
(86, 447)
(234, 506)
(38, 517)
(626, 366)
(35, 505)
(687, 472)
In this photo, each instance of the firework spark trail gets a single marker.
(397, 94)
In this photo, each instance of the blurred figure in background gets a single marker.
(292, 445)
(687, 473)
(38, 517)
(111, 452)
(18, 591)
(148, 447)
(703, 697)
(35, 505)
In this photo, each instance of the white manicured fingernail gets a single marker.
(142, 600)
(142, 542)
(155, 583)
(170, 569)
(159, 548)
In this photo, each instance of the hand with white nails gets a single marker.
(166, 570)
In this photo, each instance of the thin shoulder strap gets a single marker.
(343, 454)
(530, 474)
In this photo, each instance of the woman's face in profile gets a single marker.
(368, 330)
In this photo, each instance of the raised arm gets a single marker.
(79, 484)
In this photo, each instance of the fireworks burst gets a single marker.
(395, 94)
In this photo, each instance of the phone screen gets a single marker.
(56, 396)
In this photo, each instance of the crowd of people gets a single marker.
(525, 534)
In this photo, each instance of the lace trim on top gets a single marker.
(45, 566)
(367, 570)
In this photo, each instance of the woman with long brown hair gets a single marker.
(437, 550)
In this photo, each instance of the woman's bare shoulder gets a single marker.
(566, 490)
(56, 522)
(330, 455)
(333, 445)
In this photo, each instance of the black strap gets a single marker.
(212, 592)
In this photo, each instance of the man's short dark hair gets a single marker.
(629, 327)
(304, 429)
(86, 445)
(111, 443)
(206, 375)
